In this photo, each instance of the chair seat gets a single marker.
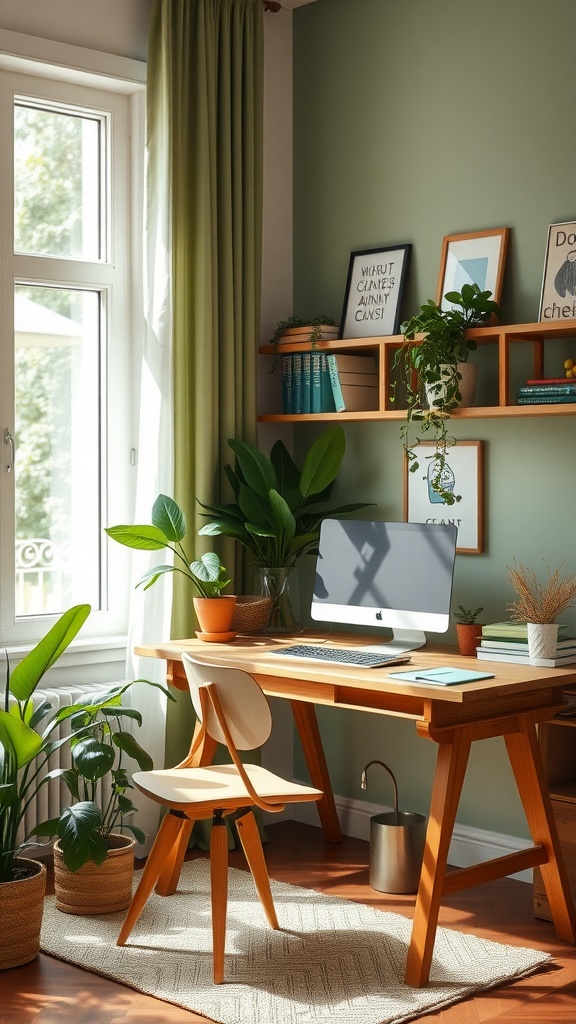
(218, 785)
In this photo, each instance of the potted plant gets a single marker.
(468, 630)
(539, 605)
(93, 855)
(434, 355)
(275, 515)
(206, 574)
(26, 743)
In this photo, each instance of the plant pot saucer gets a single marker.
(216, 638)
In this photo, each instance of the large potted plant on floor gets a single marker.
(27, 740)
(94, 849)
(434, 357)
(277, 511)
(206, 574)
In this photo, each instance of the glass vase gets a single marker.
(277, 583)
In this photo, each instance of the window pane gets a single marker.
(56, 183)
(57, 467)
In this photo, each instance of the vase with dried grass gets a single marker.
(539, 605)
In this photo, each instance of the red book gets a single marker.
(552, 380)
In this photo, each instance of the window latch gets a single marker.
(9, 440)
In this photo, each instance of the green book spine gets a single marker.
(339, 402)
(316, 382)
(296, 383)
(307, 382)
(328, 404)
(286, 384)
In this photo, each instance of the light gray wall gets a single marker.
(413, 120)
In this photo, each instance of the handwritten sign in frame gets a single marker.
(374, 287)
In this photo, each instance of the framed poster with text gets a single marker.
(373, 291)
(558, 298)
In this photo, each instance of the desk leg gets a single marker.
(450, 770)
(307, 725)
(524, 754)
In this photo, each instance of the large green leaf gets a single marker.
(126, 742)
(323, 461)
(257, 470)
(16, 736)
(28, 673)
(282, 514)
(93, 758)
(287, 474)
(168, 517)
(207, 568)
(143, 538)
(256, 507)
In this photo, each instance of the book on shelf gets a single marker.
(287, 384)
(505, 630)
(369, 380)
(567, 388)
(352, 397)
(346, 363)
(546, 381)
(322, 397)
(542, 399)
(296, 383)
(306, 403)
(325, 332)
(523, 659)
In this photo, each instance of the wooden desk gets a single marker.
(509, 705)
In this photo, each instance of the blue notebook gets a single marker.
(441, 676)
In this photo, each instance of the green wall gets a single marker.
(416, 119)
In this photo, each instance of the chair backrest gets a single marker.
(243, 703)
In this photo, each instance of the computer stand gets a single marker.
(403, 641)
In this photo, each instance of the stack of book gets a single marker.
(547, 390)
(354, 381)
(306, 383)
(324, 332)
(320, 382)
(508, 641)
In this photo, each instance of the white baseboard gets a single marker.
(469, 845)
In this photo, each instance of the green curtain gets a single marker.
(205, 67)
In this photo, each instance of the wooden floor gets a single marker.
(48, 991)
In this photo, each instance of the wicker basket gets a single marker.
(251, 613)
(22, 903)
(96, 888)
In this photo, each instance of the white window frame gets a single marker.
(103, 82)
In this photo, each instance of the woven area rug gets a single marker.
(333, 962)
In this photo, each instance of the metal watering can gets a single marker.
(396, 845)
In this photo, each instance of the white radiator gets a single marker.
(55, 795)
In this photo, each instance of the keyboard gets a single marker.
(341, 655)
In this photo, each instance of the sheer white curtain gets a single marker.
(150, 611)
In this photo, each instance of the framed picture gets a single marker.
(558, 298)
(373, 291)
(475, 258)
(464, 466)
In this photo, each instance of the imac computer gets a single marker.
(397, 575)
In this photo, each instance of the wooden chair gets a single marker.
(232, 710)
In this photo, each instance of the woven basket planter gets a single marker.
(96, 888)
(251, 613)
(21, 906)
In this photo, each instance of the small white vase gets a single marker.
(542, 639)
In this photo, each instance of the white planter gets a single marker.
(469, 374)
(542, 639)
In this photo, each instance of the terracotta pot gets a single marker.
(469, 635)
(96, 888)
(215, 613)
(21, 906)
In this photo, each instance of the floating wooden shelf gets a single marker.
(503, 336)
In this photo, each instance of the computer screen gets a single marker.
(397, 575)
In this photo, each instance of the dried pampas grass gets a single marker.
(539, 602)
